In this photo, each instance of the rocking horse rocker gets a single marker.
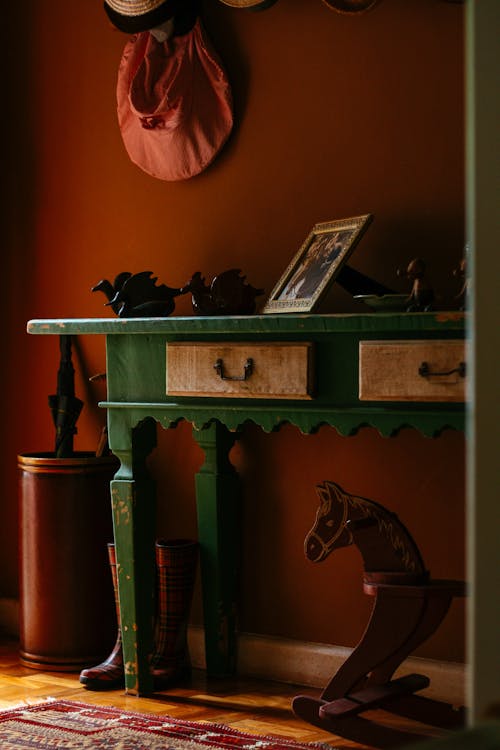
(408, 607)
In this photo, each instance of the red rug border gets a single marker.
(48, 703)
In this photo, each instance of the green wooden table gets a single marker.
(137, 352)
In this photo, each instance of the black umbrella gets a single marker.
(64, 405)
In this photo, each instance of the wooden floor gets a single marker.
(245, 704)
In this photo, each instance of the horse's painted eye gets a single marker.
(329, 523)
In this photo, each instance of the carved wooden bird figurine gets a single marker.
(228, 294)
(138, 296)
(201, 298)
(111, 288)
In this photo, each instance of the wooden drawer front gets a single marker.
(277, 370)
(389, 371)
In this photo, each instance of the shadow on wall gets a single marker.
(17, 219)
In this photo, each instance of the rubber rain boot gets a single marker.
(108, 675)
(176, 562)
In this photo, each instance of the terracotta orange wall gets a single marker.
(335, 116)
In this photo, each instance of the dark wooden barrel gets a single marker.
(67, 613)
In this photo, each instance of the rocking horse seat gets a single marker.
(433, 588)
(372, 697)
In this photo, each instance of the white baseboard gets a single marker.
(313, 664)
(294, 662)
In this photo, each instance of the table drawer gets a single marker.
(412, 370)
(240, 370)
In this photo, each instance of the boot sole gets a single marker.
(90, 684)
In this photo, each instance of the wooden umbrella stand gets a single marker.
(67, 618)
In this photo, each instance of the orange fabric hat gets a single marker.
(174, 103)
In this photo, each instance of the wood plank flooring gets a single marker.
(248, 705)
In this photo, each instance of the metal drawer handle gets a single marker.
(248, 369)
(425, 371)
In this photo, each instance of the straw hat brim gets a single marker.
(350, 6)
(134, 16)
(253, 5)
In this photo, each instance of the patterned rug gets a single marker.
(68, 725)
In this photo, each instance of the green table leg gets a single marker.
(133, 503)
(218, 506)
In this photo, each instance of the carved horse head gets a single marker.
(342, 519)
(329, 531)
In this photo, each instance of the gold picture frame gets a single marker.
(315, 265)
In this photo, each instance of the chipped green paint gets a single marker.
(280, 326)
(121, 509)
(137, 361)
(134, 539)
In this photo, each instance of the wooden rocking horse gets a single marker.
(408, 607)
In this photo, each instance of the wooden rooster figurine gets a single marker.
(228, 294)
(138, 296)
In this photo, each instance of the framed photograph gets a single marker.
(316, 265)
